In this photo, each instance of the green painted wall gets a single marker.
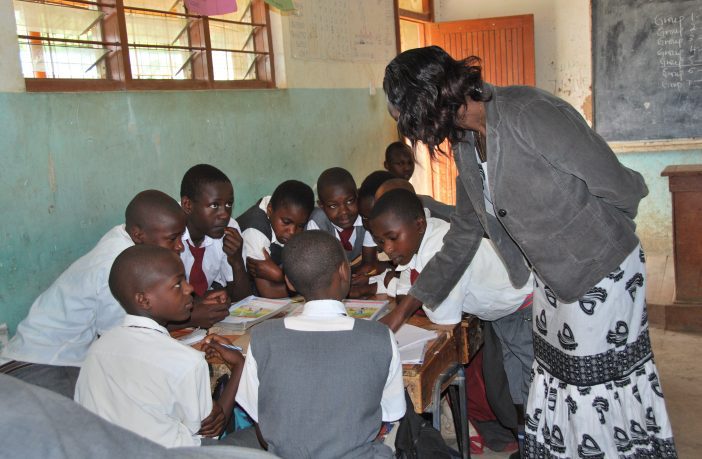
(71, 162)
(654, 221)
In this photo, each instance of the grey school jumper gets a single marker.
(320, 218)
(321, 391)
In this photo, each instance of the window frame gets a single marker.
(115, 37)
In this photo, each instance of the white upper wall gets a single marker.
(562, 41)
(291, 72)
(10, 70)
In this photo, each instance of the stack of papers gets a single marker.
(252, 310)
(411, 342)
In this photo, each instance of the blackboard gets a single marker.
(647, 69)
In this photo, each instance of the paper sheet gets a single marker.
(409, 335)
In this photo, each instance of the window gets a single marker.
(73, 45)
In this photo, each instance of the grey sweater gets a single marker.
(321, 391)
(563, 202)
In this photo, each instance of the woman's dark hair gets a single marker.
(428, 87)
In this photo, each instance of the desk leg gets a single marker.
(455, 374)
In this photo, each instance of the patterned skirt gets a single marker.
(595, 391)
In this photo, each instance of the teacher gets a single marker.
(553, 199)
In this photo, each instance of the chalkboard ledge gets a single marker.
(638, 146)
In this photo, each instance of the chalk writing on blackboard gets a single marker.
(679, 53)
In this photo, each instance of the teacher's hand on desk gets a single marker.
(401, 313)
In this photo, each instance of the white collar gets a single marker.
(131, 321)
(264, 207)
(207, 241)
(356, 223)
(323, 308)
(412, 264)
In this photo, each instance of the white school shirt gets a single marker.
(484, 290)
(214, 262)
(255, 241)
(73, 311)
(137, 377)
(325, 315)
(367, 238)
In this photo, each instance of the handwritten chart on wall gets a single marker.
(647, 58)
(360, 30)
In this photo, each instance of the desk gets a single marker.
(454, 344)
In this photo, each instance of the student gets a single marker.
(435, 208)
(410, 239)
(138, 377)
(320, 384)
(212, 244)
(266, 228)
(51, 342)
(366, 194)
(337, 214)
(399, 160)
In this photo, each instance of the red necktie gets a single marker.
(345, 235)
(197, 276)
(414, 274)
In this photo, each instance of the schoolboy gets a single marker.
(51, 342)
(266, 227)
(402, 231)
(366, 194)
(338, 215)
(212, 244)
(138, 377)
(399, 160)
(320, 384)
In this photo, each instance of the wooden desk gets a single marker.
(455, 343)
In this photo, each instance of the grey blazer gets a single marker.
(564, 204)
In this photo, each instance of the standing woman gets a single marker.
(553, 198)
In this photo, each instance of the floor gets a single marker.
(679, 366)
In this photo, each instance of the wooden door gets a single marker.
(506, 47)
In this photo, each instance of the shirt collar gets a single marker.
(143, 322)
(264, 207)
(207, 241)
(413, 262)
(356, 223)
(323, 308)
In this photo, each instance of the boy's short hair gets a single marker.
(310, 259)
(401, 203)
(398, 147)
(199, 175)
(371, 183)
(293, 193)
(335, 176)
(134, 270)
(147, 204)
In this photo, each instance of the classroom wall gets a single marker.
(72, 161)
(563, 58)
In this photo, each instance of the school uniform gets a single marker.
(215, 266)
(339, 377)
(258, 234)
(139, 378)
(357, 239)
(483, 290)
(67, 317)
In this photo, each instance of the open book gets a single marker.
(252, 310)
(366, 309)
